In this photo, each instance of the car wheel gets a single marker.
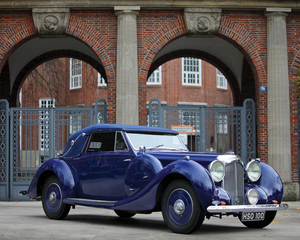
(181, 208)
(124, 214)
(52, 203)
(269, 217)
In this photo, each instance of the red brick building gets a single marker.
(53, 80)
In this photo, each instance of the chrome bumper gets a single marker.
(247, 208)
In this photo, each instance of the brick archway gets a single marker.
(94, 39)
(236, 34)
(293, 73)
(247, 44)
(16, 34)
(49, 56)
(208, 58)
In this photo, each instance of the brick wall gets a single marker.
(246, 30)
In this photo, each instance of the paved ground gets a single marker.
(26, 220)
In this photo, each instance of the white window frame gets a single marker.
(155, 78)
(222, 124)
(44, 120)
(191, 71)
(101, 81)
(75, 73)
(221, 80)
(75, 123)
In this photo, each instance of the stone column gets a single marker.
(127, 106)
(279, 136)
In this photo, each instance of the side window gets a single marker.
(102, 142)
(120, 143)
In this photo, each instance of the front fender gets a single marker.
(56, 167)
(146, 198)
(271, 183)
(200, 179)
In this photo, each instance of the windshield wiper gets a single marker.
(158, 146)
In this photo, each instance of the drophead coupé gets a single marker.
(136, 169)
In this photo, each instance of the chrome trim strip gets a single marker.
(82, 201)
(247, 208)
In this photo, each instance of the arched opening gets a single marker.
(38, 51)
(215, 58)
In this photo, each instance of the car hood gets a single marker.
(202, 158)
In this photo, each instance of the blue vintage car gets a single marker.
(136, 169)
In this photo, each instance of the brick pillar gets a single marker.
(279, 136)
(127, 106)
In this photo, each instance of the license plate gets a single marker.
(253, 216)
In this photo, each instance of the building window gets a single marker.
(222, 124)
(75, 73)
(155, 78)
(44, 121)
(189, 118)
(101, 81)
(221, 80)
(75, 122)
(191, 71)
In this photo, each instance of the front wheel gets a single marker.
(52, 203)
(181, 208)
(269, 217)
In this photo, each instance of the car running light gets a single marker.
(217, 170)
(253, 171)
(252, 196)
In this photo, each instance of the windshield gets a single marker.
(154, 141)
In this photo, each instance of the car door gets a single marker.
(101, 170)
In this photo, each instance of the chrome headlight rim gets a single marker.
(213, 168)
(252, 196)
(253, 170)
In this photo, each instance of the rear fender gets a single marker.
(53, 167)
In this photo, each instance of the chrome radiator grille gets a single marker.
(233, 182)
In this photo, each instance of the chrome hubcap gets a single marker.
(179, 207)
(52, 197)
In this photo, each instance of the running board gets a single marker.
(89, 202)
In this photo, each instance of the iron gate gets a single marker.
(36, 135)
(214, 129)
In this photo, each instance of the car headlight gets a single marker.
(217, 170)
(252, 196)
(253, 171)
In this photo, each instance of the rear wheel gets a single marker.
(52, 203)
(269, 217)
(181, 208)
